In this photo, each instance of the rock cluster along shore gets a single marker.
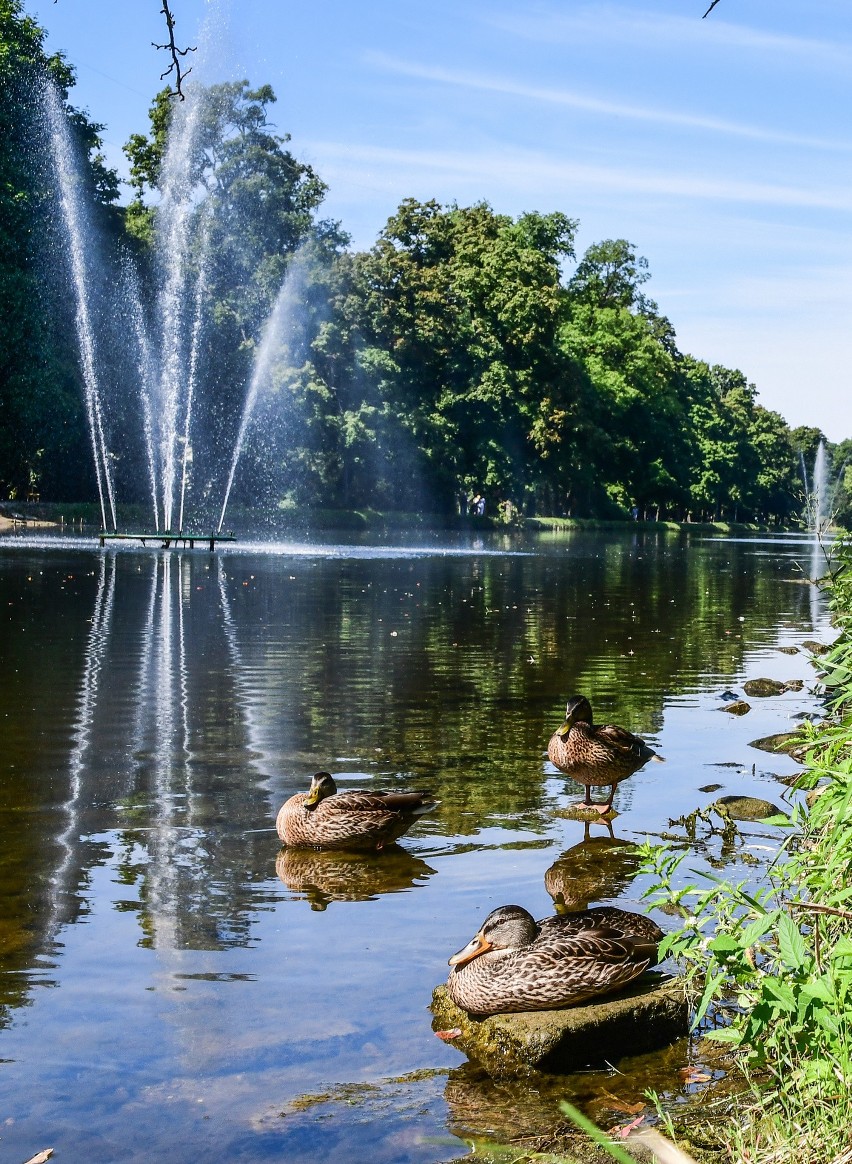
(651, 1013)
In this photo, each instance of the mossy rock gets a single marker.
(816, 648)
(651, 1013)
(748, 807)
(789, 650)
(583, 813)
(738, 707)
(762, 688)
(790, 743)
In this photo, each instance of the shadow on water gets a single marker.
(156, 709)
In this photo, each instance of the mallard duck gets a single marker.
(515, 963)
(324, 818)
(601, 754)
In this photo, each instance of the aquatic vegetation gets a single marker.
(772, 966)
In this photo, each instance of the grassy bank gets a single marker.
(772, 967)
(287, 522)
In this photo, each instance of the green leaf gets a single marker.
(791, 944)
(724, 1035)
(725, 944)
(759, 927)
(709, 991)
(817, 989)
(843, 947)
(595, 1133)
(779, 992)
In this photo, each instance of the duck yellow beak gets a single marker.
(565, 729)
(476, 946)
(311, 798)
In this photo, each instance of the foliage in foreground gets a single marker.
(773, 966)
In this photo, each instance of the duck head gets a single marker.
(322, 785)
(578, 710)
(505, 929)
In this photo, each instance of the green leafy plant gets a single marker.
(771, 966)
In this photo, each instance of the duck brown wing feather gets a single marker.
(357, 800)
(621, 738)
(609, 917)
(417, 802)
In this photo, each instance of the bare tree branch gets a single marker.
(177, 53)
(710, 9)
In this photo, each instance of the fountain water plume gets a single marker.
(804, 473)
(174, 236)
(819, 490)
(268, 352)
(200, 290)
(148, 379)
(80, 243)
(164, 327)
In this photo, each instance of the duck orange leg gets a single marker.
(603, 809)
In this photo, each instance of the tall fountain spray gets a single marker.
(175, 220)
(268, 350)
(819, 491)
(79, 238)
(163, 334)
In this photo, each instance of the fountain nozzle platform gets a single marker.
(166, 538)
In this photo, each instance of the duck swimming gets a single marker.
(323, 818)
(599, 755)
(515, 963)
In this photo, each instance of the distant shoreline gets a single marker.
(85, 516)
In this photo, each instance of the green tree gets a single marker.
(461, 309)
(627, 354)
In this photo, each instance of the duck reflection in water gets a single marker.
(599, 755)
(597, 868)
(323, 877)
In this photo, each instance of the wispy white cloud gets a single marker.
(657, 30)
(573, 100)
(489, 174)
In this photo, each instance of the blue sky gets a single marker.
(722, 148)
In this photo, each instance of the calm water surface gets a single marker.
(172, 985)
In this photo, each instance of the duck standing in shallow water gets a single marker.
(324, 818)
(601, 755)
(515, 963)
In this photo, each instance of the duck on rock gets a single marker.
(600, 755)
(323, 818)
(515, 963)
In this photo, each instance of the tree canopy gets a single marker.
(466, 355)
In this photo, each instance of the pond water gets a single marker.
(173, 986)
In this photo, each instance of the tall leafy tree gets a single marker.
(461, 308)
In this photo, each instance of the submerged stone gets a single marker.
(739, 707)
(764, 687)
(748, 807)
(790, 743)
(651, 1013)
(583, 813)
(789, 650)
(816, 648)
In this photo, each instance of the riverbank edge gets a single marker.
(131, 518)
(789, 1070)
